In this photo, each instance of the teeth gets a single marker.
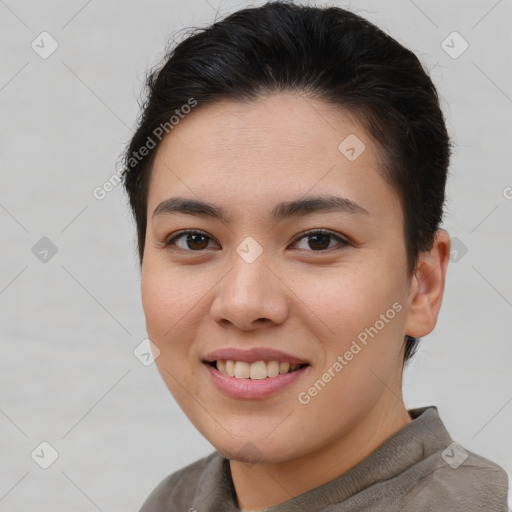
(255, 371)
(242, 370)
(230, 368)
(221, 366)
(258, 370)
(272, 369)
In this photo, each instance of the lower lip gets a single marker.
(253, 389)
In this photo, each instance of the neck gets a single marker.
(266, 484)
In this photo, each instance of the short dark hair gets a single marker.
(326, 53)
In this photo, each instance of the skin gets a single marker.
(246, 158)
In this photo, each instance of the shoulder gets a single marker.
(460, 481)
(179, 488)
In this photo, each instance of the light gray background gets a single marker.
(70, 325)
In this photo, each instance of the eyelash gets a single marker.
(168, 243)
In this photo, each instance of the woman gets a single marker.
(287, 179)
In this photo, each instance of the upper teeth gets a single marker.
(258, 370)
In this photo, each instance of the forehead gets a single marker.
(277, 147)
(280, 124)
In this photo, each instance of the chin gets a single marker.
(254, 451)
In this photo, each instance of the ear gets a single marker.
(427, 287)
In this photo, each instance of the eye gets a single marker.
(196, 241)
(319, 240)
(193, 241)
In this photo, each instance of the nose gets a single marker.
(250, 295)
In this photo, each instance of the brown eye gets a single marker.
(315, 241)
(189, 241)
(320, 240)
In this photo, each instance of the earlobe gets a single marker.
(427, 287)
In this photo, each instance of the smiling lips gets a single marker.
(254, 364)
(256, 371)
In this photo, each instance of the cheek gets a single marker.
(166, 308)
(365, 305)
(365, 310)
(165, 301)
(174, 301)
(155, 302)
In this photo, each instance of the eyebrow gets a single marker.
(299, 207)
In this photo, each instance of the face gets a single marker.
(319, 287)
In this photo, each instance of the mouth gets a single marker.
(254, 373)
(257, 370)
(257, 380)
